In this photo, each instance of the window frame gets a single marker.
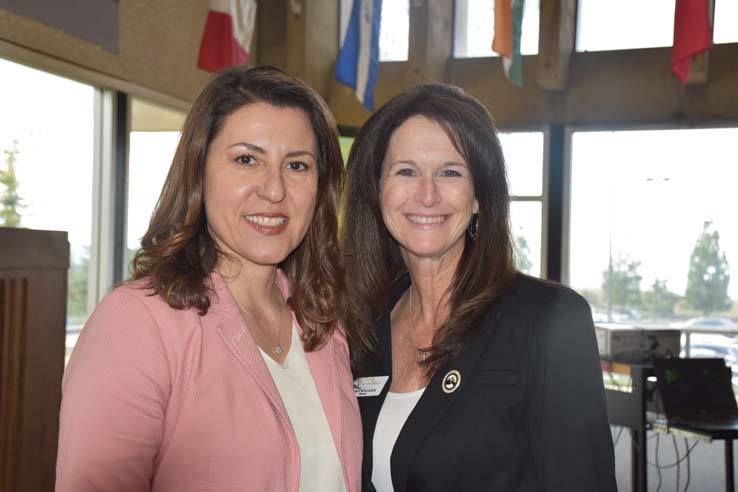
(543, 198)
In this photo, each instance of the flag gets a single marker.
(229, 30)
(692, 35)
(358, 59)
(508, 28)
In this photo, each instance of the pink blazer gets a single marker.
(161, 399)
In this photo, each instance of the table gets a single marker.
(631, 405)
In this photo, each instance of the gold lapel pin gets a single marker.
(451, 381)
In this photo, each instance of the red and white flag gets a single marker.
(228, 34)
(692, 35)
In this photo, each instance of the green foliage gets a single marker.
(522, 251)
(593, 296)
(626, 282)
(10, 201)
(709, 274)
(77, 280)
(659, 300)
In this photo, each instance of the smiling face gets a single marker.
(426, 191)
(261, 181)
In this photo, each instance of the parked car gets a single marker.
(711, 323)
(708, 345)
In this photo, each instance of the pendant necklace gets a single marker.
(277, 346)
(420, 355)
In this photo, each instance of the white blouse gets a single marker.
(320, 467)
(392, 416)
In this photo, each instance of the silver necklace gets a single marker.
(420, 355)
(277, 346)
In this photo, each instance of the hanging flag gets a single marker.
(692, 35)
(358, 59)
(229, 30)
(508, 29)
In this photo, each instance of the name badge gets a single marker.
(370, 386)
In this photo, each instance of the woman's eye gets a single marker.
(405, 172)
(246, 160)
(297, 166)
(450, 173)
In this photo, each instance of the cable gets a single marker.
(676, 463)
(689, 471)
(658, 468)
(678, 468)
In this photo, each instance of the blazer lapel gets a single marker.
(322, 364)
(323, 369)
(435, 402)
(225, 318)
(370, 406)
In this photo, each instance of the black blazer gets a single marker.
(529, 412)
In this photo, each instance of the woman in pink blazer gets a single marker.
(220, 367)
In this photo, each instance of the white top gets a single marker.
(320, 468)
(392, 416)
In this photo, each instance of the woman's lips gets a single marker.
(268, 223)
(426, 220)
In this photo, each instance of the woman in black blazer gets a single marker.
(470, 375)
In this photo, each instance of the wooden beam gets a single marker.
(558, 26)
(431, 40)
(698, 71)
(312, 42)
(270, 42)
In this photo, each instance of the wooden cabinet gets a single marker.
(33, 292)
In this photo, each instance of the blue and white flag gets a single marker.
(358, 59)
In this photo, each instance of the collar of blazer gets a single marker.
(434, 402)
(225, 318)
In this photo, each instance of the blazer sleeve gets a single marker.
(114, 395)
(570, 434)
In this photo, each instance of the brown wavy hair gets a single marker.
(177, 252)
(373, 261)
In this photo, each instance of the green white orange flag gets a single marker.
(508, 26)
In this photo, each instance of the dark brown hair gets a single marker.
(177, 252)
(372, 257)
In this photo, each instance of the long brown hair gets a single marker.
(372, 257)
(177, 252)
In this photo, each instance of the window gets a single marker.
(649, 24)
(346, 143)
(47, 128)
(394, 31)
(601, 24)
(153, 140)
(474, 28)
(652, 225)
(524, 152)
(725, 27)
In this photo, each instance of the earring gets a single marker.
(473, 228)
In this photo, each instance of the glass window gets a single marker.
(474, 28)
(394, 33)
(47, 127)
(650, 24)
(346, 143)
(725, 27)
(652, 225)
(524, 157)
(153, 140)
(525, 217)
(600, 24)
(394, 30)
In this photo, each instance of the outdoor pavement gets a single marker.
(706, 464)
